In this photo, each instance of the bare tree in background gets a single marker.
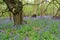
(42, 7)
(35, 7)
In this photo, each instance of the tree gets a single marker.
(35, 7)
(15, 7)
(42, 7)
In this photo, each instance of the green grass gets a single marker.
(35, 30)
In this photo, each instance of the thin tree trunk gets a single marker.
(42, 8)
(10, 16)
(35, 6)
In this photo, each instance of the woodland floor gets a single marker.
(45, 26)
(7, 20)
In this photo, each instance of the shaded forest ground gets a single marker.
(36, 28)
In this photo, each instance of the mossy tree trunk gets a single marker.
(16, 8)
(18, 18)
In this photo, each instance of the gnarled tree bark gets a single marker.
(16, 9)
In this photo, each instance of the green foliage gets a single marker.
(29, 9)
(36, 29)
(47, 30)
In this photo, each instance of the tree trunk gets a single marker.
(16, 9)
(10, 16)
(17, 19)
(42, 7)
(35, 6)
